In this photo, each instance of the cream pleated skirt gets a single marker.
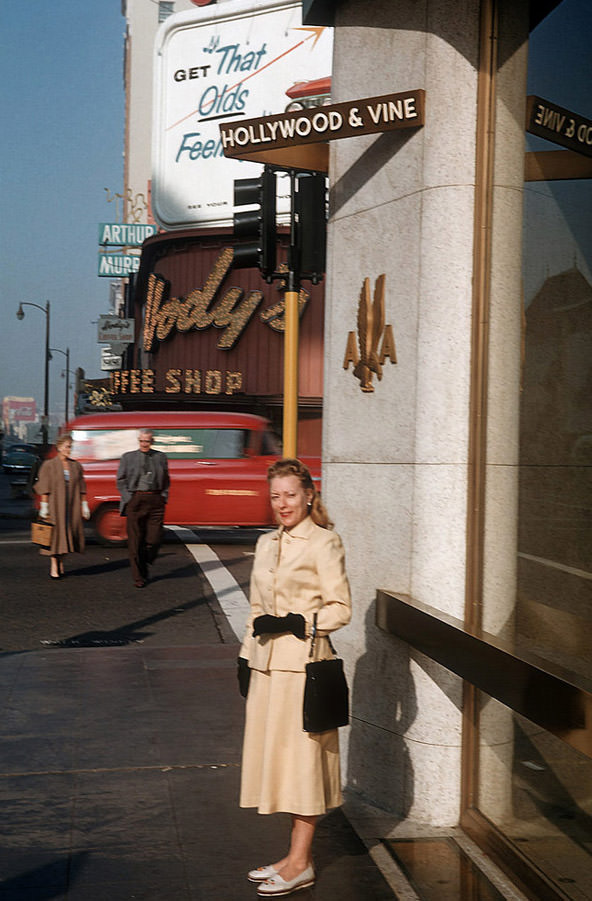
(285, 768)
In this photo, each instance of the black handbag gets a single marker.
(326, 695)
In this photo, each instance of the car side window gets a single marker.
(103, 444)
(195, 444)
(177, 444)
(270, 445)
(228, 444)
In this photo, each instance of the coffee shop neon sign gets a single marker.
(177, 381)
(200, 310)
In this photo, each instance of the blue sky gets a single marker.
(62, 109)
(62, 113)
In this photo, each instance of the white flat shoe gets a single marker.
(261, 874)
(275, 886)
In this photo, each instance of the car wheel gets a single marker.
(110, 528)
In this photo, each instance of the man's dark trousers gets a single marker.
(145, 515)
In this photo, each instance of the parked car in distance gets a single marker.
(217, 462)
(17, 462)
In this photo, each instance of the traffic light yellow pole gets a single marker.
(291, 374)
(290, 429)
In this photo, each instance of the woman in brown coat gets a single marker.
(298, 579)
(63, 502)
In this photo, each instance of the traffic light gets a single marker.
(258, 224)
(310, 204)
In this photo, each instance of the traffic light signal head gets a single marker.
(311, 224)
(258, 224)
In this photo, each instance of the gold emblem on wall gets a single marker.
(372, 333)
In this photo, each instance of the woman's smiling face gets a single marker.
(289, 500)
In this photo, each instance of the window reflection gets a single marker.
(532, 786)
(554, 595)
(185, 444)
(536, 789)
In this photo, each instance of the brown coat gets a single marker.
(68, 533)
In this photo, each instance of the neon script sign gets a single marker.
(203, 308)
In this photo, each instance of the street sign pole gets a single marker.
(67, 408)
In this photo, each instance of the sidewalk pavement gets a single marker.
(119, 777)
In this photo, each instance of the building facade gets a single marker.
(229, 353)
(142, 22)
(209, 336)
(460, 480)
(457, 453)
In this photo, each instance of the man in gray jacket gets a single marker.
(143, 483)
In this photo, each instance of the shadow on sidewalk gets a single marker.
(45, 882)
(125, 634)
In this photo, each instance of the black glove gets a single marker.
(272, 625)
(243, 674)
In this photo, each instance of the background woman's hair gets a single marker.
(288, 466)
(66, 436)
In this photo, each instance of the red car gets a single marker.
(217, 463)
(308, 94)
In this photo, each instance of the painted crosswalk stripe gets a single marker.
(230, 595)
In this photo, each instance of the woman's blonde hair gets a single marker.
(63, 439)
(288, 466)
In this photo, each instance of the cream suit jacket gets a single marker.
(300, 571)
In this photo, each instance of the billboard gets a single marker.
(18, 409)
(228, 61)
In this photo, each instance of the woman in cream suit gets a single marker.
(298, 571)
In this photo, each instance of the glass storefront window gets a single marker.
(534, 788)
(554, 594)
(539, 794)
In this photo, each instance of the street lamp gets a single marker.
(20, 314)
(66, 353)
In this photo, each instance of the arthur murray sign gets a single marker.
(324, 123)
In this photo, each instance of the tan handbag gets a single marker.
(41, 533)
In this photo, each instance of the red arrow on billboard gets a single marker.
(316, 30)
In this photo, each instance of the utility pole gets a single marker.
(20, 314)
